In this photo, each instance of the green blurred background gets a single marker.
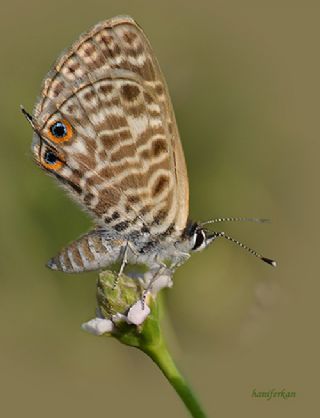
(244, 79)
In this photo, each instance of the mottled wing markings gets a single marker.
(125, 155)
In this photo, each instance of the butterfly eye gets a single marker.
(199, 240)
(60, 131)
(51, 161)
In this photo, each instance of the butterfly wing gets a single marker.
(106, 115)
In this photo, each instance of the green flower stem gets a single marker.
(161, 356)
(150, 340)
(148, 336)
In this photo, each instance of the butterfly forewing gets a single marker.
(122, 155)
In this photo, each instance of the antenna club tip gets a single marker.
(272, 263)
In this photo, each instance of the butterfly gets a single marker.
(104, 127)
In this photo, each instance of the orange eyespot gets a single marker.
(51, 161)
(60, 131)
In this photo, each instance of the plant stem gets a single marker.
(161, 356)
(148, 337)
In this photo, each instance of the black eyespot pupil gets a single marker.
(59, 130)
(199, 240)
(50, 157)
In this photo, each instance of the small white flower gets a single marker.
(138, 313)
(98, 326)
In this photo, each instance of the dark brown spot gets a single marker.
(159, 146)
(130, 92)
(145, 209)
(108, 45)
(133, 199)
(145, 136)
(71, 108)
(155, 114)
(136, 111)
(89, 95)
(106, 173)
(107, 198)
(88, 49)
(106, 39)
(135, 52)
(148, 98)
(102, 155)
(145, 229)
(105, 88)
(88, 198)
(116, 121)
(159, 89)
(85, 160)
(73, 67)
(57, 89)
(160, 185)
(169, 230)
(115, 101)
(93, 181)
(129, 37)
(145, 154)
(115, 50)
(125, 151)
(161, 215)
(147, 71)
(74, 186)
(109, 140)
(121, 226)
(115, 215)
(138, 179)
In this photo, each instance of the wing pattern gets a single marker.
(124, 161)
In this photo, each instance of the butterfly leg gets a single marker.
(161, 269)
(179, 260)
(124, 262)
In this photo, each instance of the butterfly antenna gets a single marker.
(245, 247)
(27, 116)
(235, 219)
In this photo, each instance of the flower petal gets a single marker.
(98, 326)
(138, 313)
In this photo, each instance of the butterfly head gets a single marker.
(199, 238)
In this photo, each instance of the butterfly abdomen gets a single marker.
(90, 252)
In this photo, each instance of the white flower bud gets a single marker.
(138, 313)
(98, 326)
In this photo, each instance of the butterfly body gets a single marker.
(101, 248)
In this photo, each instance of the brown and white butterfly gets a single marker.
(104, 127)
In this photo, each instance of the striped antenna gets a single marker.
(235, 219)
(245, 247)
